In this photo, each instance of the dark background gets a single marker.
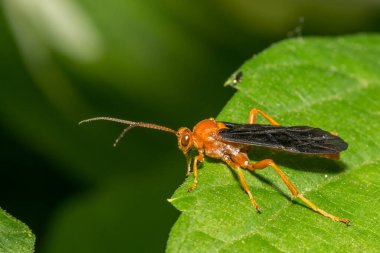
(155, 61)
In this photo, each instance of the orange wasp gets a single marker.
(231, 142)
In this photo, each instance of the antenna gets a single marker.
(131, 124)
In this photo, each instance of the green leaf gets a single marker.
(331, 83)
(14, 235)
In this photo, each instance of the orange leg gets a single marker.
(188, 162)
(252, 117)
(243, 182)
(199, 158)
(268, 162)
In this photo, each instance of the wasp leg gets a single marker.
(243, 182)
(199, 158)
(269, 163)
(188, 162)
(252, 117)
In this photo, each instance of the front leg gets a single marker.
(200, 158)
(188, 163)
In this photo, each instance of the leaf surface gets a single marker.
(331, 83)
(15, 237)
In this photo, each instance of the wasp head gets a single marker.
(185, 139)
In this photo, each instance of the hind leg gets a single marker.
(269, 163)
(253, 114)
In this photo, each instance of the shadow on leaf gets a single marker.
(300, 162)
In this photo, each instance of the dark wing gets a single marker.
(295, 139)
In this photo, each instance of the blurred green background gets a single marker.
(156, 61)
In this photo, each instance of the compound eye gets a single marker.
(185, 140)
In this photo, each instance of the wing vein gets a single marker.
(295, 139)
